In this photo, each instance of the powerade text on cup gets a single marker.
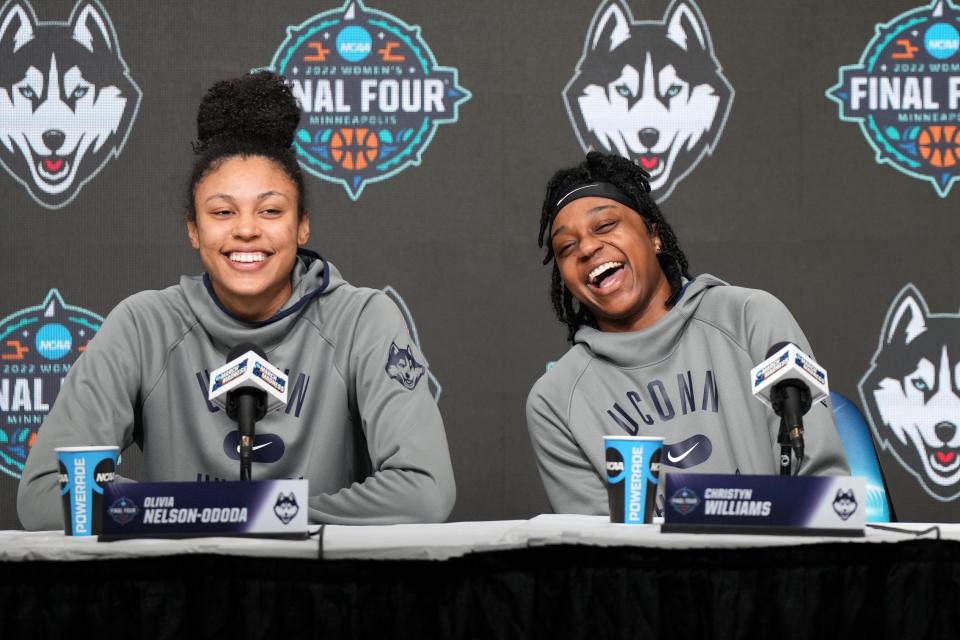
(633, 466)
(83, 472)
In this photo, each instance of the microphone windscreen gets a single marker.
(770, 352)
(244, 347)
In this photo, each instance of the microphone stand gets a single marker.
(786, 449)
(246, 406)
(790, 400)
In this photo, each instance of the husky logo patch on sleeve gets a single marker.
(403, 367)
(432, 383)
(910, 393)
(651, 91)
(67, 101)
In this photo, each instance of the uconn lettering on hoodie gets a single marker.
(663, 400)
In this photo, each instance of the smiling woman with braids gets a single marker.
(361, 425)
(656, 351)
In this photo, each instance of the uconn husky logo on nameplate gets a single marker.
(650, 90)
(67, 101)
(371, 93)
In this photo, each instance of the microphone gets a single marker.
(247, 387)
(789, 382)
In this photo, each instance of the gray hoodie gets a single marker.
(356, 382)
(685, 379)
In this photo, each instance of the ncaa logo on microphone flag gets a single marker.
(371, 94)
(905, 94)
(38, 345)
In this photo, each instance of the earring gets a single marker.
(658, 246)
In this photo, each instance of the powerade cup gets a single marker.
(633, 467)
(83, 472)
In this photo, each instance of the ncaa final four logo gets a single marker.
(67, 101)
(905, 94)
(371, 93)
(38, 345)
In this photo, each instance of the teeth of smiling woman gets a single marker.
(606, 265)
(236, 256)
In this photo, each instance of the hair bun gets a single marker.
(257, 106)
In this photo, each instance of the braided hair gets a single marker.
(632, 180)
(253, 115)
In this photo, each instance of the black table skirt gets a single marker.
(905, 590)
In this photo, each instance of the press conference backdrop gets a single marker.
(809, 149)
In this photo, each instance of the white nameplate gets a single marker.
(793, 505)
(266, 508)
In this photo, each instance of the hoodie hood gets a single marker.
(312, 276)
(655, 343)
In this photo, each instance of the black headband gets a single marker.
(594, 189)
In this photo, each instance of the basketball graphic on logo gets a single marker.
(354, 149)
(940, 145)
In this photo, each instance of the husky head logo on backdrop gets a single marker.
(651, 91)
(66, 99)
(911, 393)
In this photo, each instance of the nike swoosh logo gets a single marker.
(266, 444)
(683, 455)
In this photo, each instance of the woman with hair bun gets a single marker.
(360, 425)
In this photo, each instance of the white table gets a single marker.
(423, 541)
